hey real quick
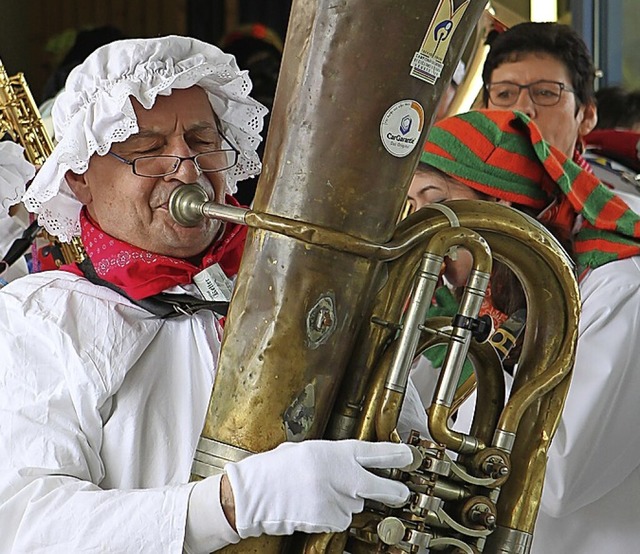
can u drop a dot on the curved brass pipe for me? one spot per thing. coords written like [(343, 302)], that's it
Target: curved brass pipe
[(548, 277), (188, 204), (487, 381), (500, 226)]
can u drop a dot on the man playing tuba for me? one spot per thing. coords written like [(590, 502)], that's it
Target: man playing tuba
[(109, 364)]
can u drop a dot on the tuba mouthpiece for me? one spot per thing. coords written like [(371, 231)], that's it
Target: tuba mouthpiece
[(189, 205), (186, 203)]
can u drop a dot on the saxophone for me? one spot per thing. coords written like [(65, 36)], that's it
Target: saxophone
[(20, 120), (329, 307)]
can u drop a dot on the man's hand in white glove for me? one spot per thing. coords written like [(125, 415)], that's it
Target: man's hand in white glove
[(313, 486)]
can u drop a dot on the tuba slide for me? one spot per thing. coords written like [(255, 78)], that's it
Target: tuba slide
[(329, 306)]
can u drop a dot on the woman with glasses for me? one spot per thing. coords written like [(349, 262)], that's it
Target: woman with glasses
[(545, 71)]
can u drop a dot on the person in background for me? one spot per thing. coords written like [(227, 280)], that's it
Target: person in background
[(593, 469), (545, 71), (257, 49), (84, 42), (613, 147), (15, 173), (618, 108), (105, 383)]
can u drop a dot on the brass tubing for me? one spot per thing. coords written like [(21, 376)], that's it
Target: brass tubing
[(382, 405), (443, 434), (425, 286), (188, 204), (20, 118), (533, 390), (488, 381), (548, 277), (549, 342), (490, 392), (469, 308)]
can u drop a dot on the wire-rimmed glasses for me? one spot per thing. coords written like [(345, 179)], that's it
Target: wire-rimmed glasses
[(212, 161)]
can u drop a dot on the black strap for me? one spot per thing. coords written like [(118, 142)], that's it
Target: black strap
[(162, 305), (20, 246)]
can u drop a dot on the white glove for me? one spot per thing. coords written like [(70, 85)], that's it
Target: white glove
[(313, 486)]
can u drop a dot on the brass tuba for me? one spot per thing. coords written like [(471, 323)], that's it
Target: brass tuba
[(318, 342)]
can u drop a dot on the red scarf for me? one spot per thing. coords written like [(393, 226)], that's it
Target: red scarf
[(140, 273)]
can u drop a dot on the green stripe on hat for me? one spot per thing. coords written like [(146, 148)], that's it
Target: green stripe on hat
[(464, 163), (598, 200), (502, 153)]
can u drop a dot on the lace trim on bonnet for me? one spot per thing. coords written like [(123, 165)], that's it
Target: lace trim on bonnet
[(94, 110), (15, 172)]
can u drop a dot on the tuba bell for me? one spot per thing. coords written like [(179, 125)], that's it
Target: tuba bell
[(329, 306)]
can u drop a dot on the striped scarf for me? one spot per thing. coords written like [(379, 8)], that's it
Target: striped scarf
[(502, 154)]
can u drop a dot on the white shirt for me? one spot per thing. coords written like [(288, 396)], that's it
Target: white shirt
[(590, 498), (101, 407), (592, 485)]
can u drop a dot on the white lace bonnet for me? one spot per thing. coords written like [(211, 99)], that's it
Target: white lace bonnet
[(15, 173), (94, 110)]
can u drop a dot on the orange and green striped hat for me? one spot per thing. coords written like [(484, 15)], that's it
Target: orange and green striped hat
[(502, 154)]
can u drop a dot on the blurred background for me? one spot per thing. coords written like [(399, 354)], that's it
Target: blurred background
[(36, 35)]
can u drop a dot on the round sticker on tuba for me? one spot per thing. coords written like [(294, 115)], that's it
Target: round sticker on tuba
[(401, 126)]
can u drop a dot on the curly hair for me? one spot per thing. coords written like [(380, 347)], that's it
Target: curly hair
[(554, 39)]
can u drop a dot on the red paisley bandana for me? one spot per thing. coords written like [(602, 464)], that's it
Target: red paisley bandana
[(140, 273)]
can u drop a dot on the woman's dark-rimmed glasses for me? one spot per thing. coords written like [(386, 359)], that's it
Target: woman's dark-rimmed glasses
[(542, 93)]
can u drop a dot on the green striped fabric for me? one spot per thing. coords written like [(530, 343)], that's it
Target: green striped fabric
[(503, 154)]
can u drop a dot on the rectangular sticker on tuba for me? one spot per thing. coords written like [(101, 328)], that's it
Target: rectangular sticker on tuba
[(427, 64)]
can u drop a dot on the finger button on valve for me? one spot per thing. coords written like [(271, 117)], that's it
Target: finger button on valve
[(416, 462), (391, 530)]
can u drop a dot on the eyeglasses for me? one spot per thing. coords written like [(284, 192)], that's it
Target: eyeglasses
[(161, 166), (542, 93)]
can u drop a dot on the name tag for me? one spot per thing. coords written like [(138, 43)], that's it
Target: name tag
[(213, 284)]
